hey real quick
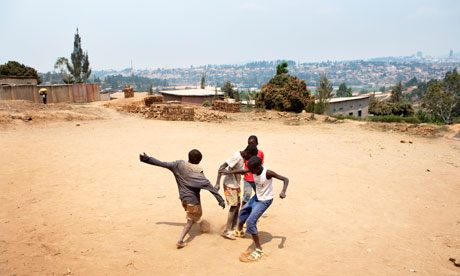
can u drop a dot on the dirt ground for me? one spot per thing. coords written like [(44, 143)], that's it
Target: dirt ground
[(361, 201)]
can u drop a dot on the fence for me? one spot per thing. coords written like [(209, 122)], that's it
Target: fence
[(68, 93)]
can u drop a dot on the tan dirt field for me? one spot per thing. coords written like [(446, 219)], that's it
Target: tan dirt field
[(75, 200)]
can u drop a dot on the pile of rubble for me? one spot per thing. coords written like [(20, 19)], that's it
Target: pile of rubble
[(129, 92), (225, 106)]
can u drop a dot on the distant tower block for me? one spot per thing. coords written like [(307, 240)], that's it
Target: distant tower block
[(419, 54), (451, 54)]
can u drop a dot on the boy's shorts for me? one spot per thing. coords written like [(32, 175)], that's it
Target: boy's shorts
[(193, 212), (232, 196)]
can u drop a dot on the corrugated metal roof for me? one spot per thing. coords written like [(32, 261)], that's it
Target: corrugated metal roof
[(345, 99), (191, 92)]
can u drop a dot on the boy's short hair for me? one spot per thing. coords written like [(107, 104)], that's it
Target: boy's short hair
[(194, 156), (251, 149), (253, 137), (254, 162)]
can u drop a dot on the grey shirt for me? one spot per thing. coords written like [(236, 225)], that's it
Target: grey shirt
[(188, 182)]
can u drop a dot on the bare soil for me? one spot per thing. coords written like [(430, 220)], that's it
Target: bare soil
[(362, 199)]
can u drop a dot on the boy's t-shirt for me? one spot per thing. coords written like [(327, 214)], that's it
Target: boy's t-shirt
[(235, 162), (249, 177), (189, 181)]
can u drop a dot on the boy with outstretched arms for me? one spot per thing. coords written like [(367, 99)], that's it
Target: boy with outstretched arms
[(263, 198), (232, 189), (190, 180)]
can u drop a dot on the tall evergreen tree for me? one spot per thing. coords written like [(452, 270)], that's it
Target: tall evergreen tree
[(78, 70), (203, 82)]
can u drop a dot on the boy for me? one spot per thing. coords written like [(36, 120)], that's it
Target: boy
[(263, 198), (248, 178), (190, 180), (232, 189)]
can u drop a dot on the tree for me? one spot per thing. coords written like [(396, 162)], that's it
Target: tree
[(216, 96), (79, 71), (396, 93), (237, 96), (282, 68), (284, 93), (440, 102), (382, 89), (151, 90), (228, 89), (343, 90), (203, 82), (16, 69), (323, 94), (411, 82)]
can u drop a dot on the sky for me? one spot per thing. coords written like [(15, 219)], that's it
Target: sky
[(181, 33)]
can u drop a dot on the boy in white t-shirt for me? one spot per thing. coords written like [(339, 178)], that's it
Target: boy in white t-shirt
[(251, 212), (232, 189)]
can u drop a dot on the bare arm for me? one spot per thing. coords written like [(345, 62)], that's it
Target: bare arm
[(285, 180), (219, 175), (235, 172)]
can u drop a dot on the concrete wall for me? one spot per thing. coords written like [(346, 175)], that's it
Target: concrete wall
[(198, 100), (68, 93), (351, 107), (17, 80)]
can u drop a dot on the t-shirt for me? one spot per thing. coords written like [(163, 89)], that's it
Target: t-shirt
[(248, 177), (189, 181), (235, 162), (264, 186)]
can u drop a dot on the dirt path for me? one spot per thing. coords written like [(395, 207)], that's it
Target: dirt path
[(76, 200)]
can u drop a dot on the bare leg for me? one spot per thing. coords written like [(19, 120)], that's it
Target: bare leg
[(187, 227), (235, 217), (255, 237), (240, 226), (232, 214)]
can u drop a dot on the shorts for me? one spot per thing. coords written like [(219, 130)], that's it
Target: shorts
[(193, 211), (248, 187), (232, 195)]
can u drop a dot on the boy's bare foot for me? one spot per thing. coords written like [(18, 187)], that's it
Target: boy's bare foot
[(228, 235), (181, 244)]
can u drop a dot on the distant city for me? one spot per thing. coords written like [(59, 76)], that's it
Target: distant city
[(371, 73)]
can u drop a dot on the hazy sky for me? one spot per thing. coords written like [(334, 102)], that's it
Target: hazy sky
[(176, 33)]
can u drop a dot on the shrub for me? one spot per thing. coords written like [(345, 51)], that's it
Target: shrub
[(393, 119), (206, 103), (284, 93), (349, 117)]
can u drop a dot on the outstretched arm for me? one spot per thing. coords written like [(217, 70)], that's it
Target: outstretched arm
[(235, 172), (153, 161), (208, 186), (285, 180), (219, 175)]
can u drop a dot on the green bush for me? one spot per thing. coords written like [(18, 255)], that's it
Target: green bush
[(206, 103), (284, 93), (349, 117), (394, 119)]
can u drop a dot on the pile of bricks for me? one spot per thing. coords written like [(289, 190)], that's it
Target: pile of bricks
[(155, 99), (169, 112), (225, 106), (178, 113), (129, 92)]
